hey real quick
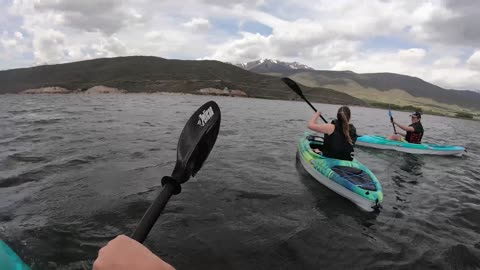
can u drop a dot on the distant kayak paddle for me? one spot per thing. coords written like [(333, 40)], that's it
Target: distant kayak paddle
[(294, 86), (391, 120)]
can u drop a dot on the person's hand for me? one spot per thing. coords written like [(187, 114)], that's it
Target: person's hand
[(124, 253), (318, 113)]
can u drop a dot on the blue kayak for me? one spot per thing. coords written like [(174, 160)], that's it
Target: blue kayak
[(413, 148), (9, 260)]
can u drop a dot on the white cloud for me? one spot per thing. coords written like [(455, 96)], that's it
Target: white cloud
[(76, 53), (106, 16), (235, 2), (447, 62), (450, 22), (18, 35), (198, 24), (152, 35), (433, 35), (412, 54), (110, 47), (249, 47), (453, 78), (9, 44), (447, 72), (13, 43), (474, 60), (325, 35), (49, 47), (397, 61)]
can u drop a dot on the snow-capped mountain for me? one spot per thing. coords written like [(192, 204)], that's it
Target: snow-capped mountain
[(272, 66)]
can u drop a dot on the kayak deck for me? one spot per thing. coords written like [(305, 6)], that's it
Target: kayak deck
[(9, 260)]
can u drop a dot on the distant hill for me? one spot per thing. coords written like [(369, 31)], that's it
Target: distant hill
[(379, 87), (154, 74), (271, 66)]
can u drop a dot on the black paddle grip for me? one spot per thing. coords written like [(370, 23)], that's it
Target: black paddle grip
[(151, 216), (168, 180)]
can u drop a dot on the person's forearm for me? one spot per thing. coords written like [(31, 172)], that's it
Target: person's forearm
[(313, 121), (406, 128), (124, 253)]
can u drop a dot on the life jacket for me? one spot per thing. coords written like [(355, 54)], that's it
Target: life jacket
[(416, 135), (336, 144)]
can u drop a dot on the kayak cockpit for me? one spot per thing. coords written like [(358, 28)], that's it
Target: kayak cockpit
[(355, 176)]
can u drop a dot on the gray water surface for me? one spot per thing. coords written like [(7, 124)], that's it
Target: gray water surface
[(77, 170)]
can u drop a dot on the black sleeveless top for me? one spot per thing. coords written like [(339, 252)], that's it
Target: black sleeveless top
[(336, 144), (416, 135)]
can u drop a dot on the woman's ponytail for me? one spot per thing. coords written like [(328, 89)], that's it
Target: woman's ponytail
[(343, 115)]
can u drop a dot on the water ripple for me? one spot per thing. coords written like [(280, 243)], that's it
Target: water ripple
[(76, 172)]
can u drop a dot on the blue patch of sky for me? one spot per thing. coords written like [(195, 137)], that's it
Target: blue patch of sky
[(26, 60), (395, 43), (256, 27), (22, 61), (181, 55), (388, 43), (8, 22), (466, 53), (6, 3), (287, 11), (227, 26)]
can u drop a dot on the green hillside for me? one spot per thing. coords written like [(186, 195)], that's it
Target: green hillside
[(154, 74)]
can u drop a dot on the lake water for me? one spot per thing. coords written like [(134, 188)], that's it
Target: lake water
[(77, 170)]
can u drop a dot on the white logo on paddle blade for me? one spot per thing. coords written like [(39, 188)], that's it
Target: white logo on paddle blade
[(205, 116)]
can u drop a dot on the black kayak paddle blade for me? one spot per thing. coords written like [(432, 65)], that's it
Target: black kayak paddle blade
[(196, 141), (294, 86), (194, 145)]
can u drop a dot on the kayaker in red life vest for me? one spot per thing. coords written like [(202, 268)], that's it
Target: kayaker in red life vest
[(124, 253), (340, 135), (414, 130)]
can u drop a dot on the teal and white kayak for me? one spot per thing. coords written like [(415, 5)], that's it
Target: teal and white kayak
[(9, 260), (413, 148), (349, 179)]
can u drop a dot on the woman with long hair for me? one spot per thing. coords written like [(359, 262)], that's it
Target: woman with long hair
[(340, 135)]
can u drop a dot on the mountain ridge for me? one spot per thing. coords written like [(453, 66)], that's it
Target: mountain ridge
[(272, 66), (155, 74), (383, 81)]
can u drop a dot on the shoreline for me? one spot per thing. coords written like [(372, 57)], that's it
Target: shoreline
[(116, 91)]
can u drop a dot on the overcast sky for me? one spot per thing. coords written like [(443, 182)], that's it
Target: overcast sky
[(438, 41)]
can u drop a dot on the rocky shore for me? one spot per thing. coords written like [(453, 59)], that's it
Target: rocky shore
[(48, 90), (100, 89), (224, 92)]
